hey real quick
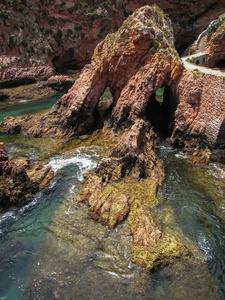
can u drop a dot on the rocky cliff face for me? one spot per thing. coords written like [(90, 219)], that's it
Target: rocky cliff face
[(210, 44), (48, 35)]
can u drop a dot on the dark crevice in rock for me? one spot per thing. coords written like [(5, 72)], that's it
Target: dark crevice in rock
[(63, 64), (160, 112), (220, 64), (221, 136)]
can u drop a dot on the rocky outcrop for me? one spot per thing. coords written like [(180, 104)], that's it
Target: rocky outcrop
[(199, 118), (134, 63), (15, 76), (215, 52), (60, 83), (17, 182), (210, 45), (124, 187)]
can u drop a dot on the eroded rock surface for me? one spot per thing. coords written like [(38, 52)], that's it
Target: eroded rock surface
[(124, 187), (17, 182), (134, 63)]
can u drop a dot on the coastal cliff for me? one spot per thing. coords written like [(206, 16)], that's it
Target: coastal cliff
[(39, 38)]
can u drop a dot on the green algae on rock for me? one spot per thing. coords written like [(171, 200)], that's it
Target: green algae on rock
[(124, 187)]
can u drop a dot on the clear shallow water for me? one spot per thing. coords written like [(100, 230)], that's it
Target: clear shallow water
[(22, 230), (197, 196), (26, 106), (52, 249)]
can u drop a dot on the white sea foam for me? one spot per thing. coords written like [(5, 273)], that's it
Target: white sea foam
[(24, 101), (82, 161), (216, 171), (181, 155), (205, 246), (6, 216)]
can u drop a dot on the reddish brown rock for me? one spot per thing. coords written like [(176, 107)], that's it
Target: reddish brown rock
[(17, 182), (210, 45), (19, 76), (61, 83), (215, 52), (133, 63), (64, 35), (199, 118)]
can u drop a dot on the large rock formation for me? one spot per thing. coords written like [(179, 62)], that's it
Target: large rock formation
[(48, 35), (17, 182), (134, 63)]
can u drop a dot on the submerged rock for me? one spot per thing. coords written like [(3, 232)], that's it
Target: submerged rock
[(17, 182)]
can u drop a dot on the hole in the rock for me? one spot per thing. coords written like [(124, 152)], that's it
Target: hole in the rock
[(105, 105), (220, 141), (64, 64), (220, 64), (161, 112)]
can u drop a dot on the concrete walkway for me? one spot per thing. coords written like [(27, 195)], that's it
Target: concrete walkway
[(205, 70)]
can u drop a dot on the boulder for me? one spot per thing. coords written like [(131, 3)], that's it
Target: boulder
[(18, 183)]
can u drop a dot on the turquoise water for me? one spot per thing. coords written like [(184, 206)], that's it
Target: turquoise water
[(22, 230), (25, 107), (52, 249)]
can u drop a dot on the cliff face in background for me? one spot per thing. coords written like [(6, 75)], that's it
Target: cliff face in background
[(62, 35)]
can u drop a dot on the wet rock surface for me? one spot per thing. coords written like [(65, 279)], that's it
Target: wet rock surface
[(18, 183), (124, 187)]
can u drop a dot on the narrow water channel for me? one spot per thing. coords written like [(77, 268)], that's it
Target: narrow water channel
[(52, 249)]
